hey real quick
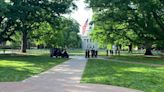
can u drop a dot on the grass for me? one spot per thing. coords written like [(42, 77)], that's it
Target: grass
[(141, 59), (38, 51), (75, 52), (81, 52), (20, 67), (141, 77)]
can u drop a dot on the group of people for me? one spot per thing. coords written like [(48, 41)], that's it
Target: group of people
[(57, 52), (115, 50), (91, 53)]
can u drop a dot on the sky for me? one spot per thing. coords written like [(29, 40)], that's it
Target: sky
[(82, 13)]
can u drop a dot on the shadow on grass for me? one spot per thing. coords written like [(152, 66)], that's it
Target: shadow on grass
[(9, 74), (15, 67), (27, 58), (141, 77), (142, 58)]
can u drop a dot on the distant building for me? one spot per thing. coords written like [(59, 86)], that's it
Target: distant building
[(87, 41)]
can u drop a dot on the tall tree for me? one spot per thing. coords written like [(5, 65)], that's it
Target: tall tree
[(63, 35), (24, 14), (142, 18)]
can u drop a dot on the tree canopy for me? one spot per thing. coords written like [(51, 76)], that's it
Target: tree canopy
[(26, 15), (139, 22), (63, 36)]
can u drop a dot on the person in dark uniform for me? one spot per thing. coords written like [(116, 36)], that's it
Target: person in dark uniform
[(86, 53), (107, 52), (92, 52)]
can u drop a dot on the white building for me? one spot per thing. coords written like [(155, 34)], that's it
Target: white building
[(81, 15), (87, 41)]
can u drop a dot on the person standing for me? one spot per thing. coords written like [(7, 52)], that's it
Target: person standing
[(92, 53), (96, 51), (86, 53), (106, 52)]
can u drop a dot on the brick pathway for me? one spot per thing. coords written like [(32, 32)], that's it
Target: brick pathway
[(62, 78)]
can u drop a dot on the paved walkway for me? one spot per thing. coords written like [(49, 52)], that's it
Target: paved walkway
[(62, 78)]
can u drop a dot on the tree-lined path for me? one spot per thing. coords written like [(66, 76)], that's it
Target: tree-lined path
[(62, 78)]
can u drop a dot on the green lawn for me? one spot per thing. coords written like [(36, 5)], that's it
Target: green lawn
[(81, 52), (19, 67), (135, 76), (142, 59), (75, 52)]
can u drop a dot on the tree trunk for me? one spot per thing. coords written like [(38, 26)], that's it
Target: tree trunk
[(130, 48), (148, 50), (24, 42), (28, 44), (1, 19)]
